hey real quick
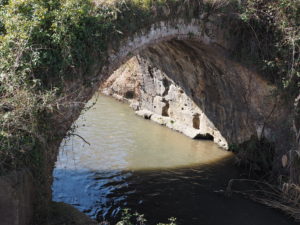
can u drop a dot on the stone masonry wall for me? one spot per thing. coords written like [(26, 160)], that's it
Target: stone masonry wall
[(153, 95)]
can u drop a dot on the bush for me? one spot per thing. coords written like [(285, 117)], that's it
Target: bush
[(129, 218)]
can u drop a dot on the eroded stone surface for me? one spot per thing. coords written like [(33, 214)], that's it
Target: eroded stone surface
[(16, 198), (198, 86), (158, 98)]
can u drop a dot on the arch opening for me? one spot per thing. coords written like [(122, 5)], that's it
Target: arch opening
[(176, 79), (232, 100), (222, 92), (193, 55)]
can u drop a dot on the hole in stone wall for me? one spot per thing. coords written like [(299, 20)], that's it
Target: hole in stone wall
[(129, 95), (150, 71), (196, 121), (165, 108), (204, 137), (166, 84)]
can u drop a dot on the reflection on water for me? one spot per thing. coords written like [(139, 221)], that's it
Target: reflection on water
[(133, 163)]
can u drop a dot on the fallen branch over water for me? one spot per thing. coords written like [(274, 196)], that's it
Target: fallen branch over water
[(80, 138)]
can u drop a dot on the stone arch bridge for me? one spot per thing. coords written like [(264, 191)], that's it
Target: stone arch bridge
[(196, 53), (195, 48)]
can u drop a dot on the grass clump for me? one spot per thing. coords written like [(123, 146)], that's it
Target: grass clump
[(256, 156), (129, 218), (284, 196)]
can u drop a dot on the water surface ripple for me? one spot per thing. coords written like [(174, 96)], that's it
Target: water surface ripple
[(134, 163)]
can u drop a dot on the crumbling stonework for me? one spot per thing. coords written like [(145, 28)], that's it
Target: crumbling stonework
[(155, 96)]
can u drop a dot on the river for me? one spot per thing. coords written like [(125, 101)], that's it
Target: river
[(134, 163)]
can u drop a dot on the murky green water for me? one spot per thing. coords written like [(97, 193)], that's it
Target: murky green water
[(134, 163)]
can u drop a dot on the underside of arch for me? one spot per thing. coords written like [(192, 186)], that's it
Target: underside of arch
[(196, 56), (234, 100)]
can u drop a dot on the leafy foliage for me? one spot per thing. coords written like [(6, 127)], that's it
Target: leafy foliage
[(129, 218), (271, 37), (44, 45)]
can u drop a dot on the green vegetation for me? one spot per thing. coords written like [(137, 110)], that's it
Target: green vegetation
[(271, 39), (45, 45), (256, 156), (267, 37), (129, 218)]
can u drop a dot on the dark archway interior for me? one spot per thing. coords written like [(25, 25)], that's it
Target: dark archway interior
[(223, 89)]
